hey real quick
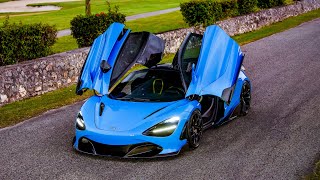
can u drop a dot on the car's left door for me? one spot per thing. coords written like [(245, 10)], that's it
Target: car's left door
[(113, 54), (95, 73)]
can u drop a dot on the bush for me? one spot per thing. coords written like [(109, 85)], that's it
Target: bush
[(207, 12), (20, 42), (270, 3), (229, 8), (86, 28), (247, 6), (198, 12), (215, 10)]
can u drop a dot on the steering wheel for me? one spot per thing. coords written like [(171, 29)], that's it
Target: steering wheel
[(177, 90)]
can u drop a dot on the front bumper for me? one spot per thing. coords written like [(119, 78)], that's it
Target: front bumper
[(126, 151), (126, 144)]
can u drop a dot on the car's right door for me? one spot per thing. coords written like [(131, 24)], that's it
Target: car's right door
[(217, 63)]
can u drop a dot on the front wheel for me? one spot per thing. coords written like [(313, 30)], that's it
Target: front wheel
[(194, 129)]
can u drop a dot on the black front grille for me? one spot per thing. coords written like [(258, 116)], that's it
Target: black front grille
[(134, 150)]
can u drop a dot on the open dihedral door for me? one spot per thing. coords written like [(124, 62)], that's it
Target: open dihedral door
[(113, 53), (217, 67)]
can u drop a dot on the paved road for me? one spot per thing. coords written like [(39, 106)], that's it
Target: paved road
[(279, 139), (67, 32)]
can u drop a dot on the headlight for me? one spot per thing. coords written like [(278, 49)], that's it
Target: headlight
[(80, 122), (165, 128)]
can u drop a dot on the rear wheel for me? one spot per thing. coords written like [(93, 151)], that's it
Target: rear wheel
[(245, 98), (73, 140), (194, 129)]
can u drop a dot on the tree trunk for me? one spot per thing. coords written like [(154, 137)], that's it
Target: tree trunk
[(88, 8)]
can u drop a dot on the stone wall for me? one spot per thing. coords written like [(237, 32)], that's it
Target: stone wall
[(31, 78), (41, 75), (243, 24)]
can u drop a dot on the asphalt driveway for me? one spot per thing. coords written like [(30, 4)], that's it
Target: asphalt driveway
[(279, 139)]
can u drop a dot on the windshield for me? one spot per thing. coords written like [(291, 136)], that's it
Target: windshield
[(162, 85)]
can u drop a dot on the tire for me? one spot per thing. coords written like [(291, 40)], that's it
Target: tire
[(73, 140), (194, 129), (245, 98)]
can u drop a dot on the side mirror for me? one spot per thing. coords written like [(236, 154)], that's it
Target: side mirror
[(105, 67)]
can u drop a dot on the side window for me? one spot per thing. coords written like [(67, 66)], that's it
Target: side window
[(190, 55), (192, 48)]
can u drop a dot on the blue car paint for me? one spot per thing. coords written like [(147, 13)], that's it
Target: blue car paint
[(125, 114), (133, 135), (221, 57), (105, 47), (235, 100), (123, 122)]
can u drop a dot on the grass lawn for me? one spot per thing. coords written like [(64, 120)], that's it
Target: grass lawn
[(63, 44), (316, 173), (154, 24), (15, 112), (277, 27), (157, 24), (69, 10), (18, 111), (1, 1)]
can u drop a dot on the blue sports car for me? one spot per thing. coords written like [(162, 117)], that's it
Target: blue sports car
[(158, 109)]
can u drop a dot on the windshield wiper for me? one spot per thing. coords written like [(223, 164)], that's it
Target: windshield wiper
[(133, 99)]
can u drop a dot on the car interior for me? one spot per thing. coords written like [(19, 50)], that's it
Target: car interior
[(165, 83), (154, 84)]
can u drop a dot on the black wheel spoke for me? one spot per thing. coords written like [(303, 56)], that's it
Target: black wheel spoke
[(245, 98), (195, 129)]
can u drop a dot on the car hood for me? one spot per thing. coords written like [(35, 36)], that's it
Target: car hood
[(125, 115)]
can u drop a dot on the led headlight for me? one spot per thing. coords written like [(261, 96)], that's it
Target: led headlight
[(80, 122), (164, 128)]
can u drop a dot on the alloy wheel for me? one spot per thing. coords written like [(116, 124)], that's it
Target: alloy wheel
[(245, 98), (195, 126)]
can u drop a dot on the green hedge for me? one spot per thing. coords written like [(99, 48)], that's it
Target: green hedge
[(86, 28), (20, 42), (198, 12), (247, 6), (270, 3), (230, 8), (206, 12)]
